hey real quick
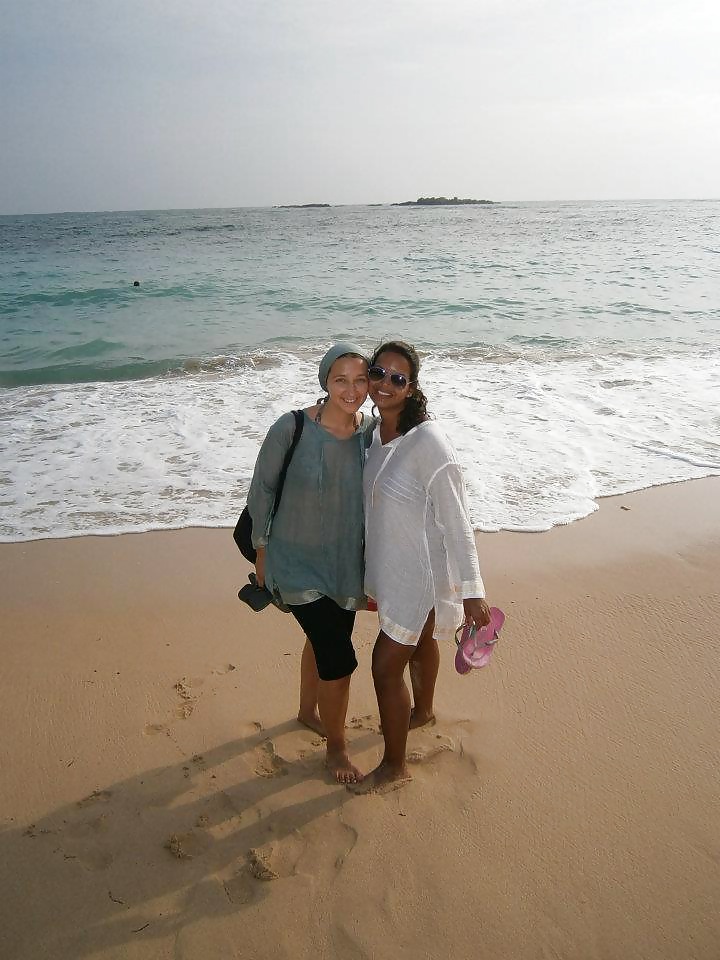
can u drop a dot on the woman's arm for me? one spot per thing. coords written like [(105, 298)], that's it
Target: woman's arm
[(447, 494), (260, 566), (261, 497)]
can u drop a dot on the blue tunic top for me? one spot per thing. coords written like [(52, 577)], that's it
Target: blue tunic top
[(314, 544)]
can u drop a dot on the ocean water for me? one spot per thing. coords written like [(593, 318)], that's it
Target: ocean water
[(570, 350)]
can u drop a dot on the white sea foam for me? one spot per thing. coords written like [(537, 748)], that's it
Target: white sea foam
[(541, 437)]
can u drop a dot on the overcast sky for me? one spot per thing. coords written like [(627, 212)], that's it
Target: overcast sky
[(204, 103)]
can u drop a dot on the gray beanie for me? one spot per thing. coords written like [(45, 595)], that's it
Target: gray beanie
[(334, 353)]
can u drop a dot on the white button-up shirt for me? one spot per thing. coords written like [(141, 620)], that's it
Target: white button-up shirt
[(420, 548)]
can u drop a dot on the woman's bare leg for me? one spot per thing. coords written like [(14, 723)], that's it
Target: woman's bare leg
[(424, 667), (328, 697), (333, 697), (309, 680), (388, 667)]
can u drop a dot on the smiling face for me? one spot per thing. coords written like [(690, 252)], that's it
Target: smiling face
[(387, 397), (347, 384)]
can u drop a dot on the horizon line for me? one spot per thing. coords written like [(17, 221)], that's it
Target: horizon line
[(326, 205)]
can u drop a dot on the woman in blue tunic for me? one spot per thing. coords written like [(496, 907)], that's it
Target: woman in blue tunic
[(310, 554)]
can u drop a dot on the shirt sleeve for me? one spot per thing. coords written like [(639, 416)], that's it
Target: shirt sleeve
[(261, 497), (447, 495)]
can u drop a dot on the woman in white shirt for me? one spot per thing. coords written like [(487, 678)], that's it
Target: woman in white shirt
[(421, 562)]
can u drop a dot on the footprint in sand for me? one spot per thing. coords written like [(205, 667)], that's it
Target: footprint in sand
[(271, 861), (329, 842), (241, 888), (346, 838), (227, 668), (430, 746), (267, 762), (188, 845), (368, 722), (153, 729), (199, 762), (189, 701), (91, 859), (320, 848), (84, 836), (277, 858), (220, 817), (89, 841)]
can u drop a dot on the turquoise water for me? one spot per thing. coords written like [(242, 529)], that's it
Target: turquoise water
[(570, 350)]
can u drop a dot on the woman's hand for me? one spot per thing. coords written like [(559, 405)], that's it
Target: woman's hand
[(476, 611), (260, 567)]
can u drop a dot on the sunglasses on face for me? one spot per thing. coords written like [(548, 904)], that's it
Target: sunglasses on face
[(376, 374)]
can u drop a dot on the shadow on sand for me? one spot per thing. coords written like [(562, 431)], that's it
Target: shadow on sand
[(144, 856)]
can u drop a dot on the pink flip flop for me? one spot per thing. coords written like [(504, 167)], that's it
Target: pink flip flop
[(475, 647)]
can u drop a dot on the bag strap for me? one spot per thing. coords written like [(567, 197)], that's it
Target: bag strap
[(299, 421)]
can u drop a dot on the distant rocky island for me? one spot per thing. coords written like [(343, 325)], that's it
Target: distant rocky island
[(441, 202), (420, 202)]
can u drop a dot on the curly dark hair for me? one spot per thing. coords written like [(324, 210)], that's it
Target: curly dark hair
[(415, 409)]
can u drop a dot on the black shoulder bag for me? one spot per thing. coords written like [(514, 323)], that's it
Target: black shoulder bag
[(243, 528)]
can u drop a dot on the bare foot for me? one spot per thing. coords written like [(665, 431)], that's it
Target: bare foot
[(383, 779), (342, 769), (418, 719), (312, 721)]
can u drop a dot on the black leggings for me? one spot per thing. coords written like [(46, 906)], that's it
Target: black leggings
[(329, 629)]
